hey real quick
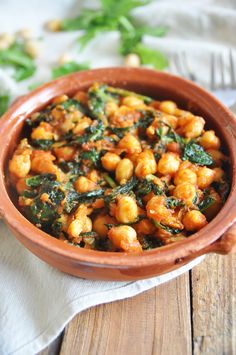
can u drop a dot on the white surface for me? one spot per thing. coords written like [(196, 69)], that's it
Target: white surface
[(37, 301)]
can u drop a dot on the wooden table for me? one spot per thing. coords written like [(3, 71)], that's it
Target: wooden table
[(193, 314)]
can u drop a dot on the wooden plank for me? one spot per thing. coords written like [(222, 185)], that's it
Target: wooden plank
[(155, 322), (214, 306)]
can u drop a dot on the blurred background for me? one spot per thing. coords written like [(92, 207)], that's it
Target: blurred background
[(42, 40)]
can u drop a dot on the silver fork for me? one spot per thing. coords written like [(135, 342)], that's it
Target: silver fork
[(226, 92)]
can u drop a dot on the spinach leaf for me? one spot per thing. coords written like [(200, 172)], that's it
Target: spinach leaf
[(109, 180), (145, 186), (4, 102), (43, 144), (73, 198), (53, 190), (172, 202), (67, 68), (196, 154), (91, 155), (121, 190), (167, 228), (40, 213), (42, 116), (98, 96), (207, 201), (73, 104), (37, 180), (92, 133), (149, 242), (125, 93), (56, 227)]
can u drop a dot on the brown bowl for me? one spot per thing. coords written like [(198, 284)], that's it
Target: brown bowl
[(218, 236)]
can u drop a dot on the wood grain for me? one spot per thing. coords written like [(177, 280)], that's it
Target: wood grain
[(155, 322), (214, 306)]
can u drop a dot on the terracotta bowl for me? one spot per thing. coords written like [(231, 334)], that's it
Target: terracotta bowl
[(218, 236)]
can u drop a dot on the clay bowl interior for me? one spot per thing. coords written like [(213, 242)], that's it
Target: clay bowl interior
[(117, 266)]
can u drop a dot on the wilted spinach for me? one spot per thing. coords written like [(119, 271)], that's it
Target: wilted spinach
[(196, 154)]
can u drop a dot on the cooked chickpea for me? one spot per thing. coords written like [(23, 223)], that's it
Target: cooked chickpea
[(126, 210), (168, 107), (130, 144), (133, 101), (219, 174), (157, 210), (99, 225), (78, 226), (185, 175), (42, 162), (194, 221), (205, 177), (168, 164), (60, 99), (125, 238), (124, 170), (110, 161), (170, 120), (145, 226), (193, 126), (33, 48), (186, 192), (20, 164), (54, 25), (209, 140), (64, 153), (21, 185), (83, 184), (43, 131), (145, 164), (111, 108)]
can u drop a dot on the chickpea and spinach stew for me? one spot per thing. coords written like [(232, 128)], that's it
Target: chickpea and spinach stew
[(112, 170)]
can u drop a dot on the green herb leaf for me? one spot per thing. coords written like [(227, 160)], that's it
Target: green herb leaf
[(173, 202), (196, 154), (151, 57), (4, 102), (43, 144), (166, 228), (121, 190), (37, 180), (73, 198), (109, 180), (206, 203), (67, 68)]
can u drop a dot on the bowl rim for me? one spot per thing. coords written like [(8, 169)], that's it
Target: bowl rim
[(165, 254)]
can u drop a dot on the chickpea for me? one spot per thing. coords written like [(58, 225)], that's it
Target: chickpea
[(124, 170), (126, 210), (205, 177), (170, 120), (209, 140), (81, 96), (32, 48), (185, 175), (83, 184), (60, 99), (110, 161), (94, 176), (64, 58), (21, 186), (168, 107), (133, 101), (217, 156), (78, 226), (43, 131), (111, 108), (81, 126), (146, 164), (157, 210), (193, 126), (99, 225), (54, 25), (194, 221), (132, 60), (64, 153), (130, 143), (168, 164), (145, 227), (186, 192), (219, 174), (42, 162), (20, 164), (125, 238)]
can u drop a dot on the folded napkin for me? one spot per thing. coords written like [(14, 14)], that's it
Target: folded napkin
[(37, 301)]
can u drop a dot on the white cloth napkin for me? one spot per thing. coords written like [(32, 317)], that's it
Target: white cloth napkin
[(37, 301)]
